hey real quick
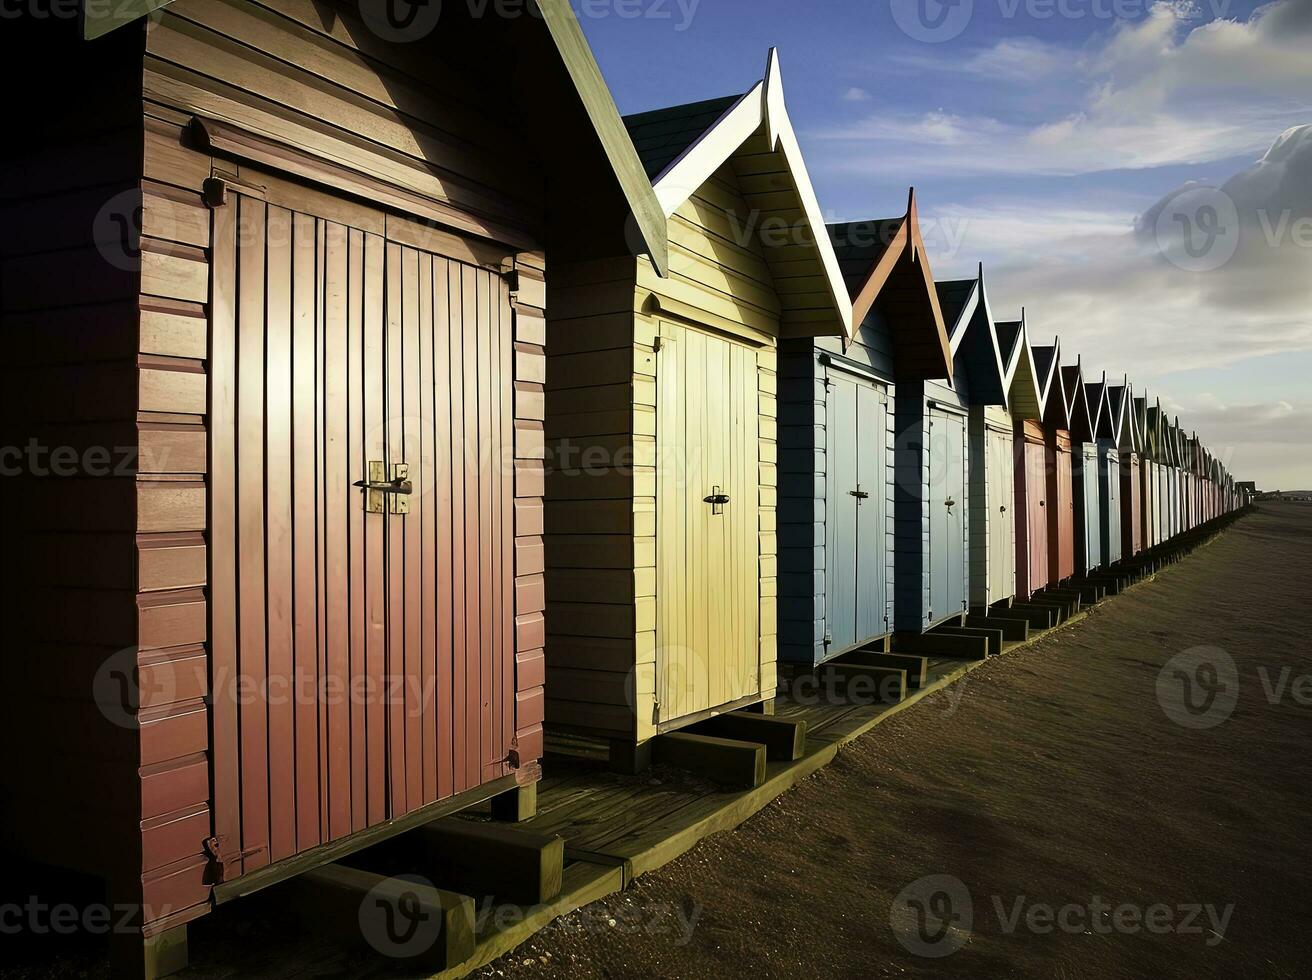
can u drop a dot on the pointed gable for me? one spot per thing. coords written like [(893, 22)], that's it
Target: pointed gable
[(1095, 397), (749, 140), (1056, 403), (1077, 408), (1031, 376), (1115, 427), (886, 268), (973, 340)]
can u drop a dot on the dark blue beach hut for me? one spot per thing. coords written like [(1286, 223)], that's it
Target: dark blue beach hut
[(837, 405)]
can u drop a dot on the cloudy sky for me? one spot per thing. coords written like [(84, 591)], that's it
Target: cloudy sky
[(1130, 171)]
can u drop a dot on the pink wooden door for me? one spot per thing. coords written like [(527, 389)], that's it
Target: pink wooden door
[(362, 643), (1036, 514)]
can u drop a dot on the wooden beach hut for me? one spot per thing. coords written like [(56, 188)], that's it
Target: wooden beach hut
[(1161, 471), (1132, 509), (1111, 429), (1147, 475), (1060, 469), (984, 361), (836, 442), (1087, 401), (295, 270), (662, 425), (1034, 381)]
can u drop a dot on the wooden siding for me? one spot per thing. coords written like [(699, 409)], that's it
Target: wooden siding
[(804, 528), (994, 507), (71, 269), (602, 509)]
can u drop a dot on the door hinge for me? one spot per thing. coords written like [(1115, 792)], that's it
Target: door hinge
[(214, 191)]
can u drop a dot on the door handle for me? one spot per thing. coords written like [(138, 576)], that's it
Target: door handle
[(1002, 509), (717, 500), (949, 502), (379, 490), (859, 494), (1043, 503)]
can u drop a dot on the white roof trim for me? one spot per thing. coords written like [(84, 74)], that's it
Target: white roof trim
[(762, 106)]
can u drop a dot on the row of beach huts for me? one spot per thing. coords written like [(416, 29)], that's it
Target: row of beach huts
[(459, 411)]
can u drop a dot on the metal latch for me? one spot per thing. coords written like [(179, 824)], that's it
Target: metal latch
[(859, 494), (717, 500), (379, 489)]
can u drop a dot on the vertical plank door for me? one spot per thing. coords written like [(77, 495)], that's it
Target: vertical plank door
[(842, 507), (1036, 515), (1000, 463), (872, 612), (947, 515), (708, 604), (360, 659)]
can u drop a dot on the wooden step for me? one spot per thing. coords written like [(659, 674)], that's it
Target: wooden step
[(404, 919), (993, 636), (482, 859), (1041, 615), (1015, 628), (942, 645), (721, 760), (917, 668), (863, 683), (784, 740)]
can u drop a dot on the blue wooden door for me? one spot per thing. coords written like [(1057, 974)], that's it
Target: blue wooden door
[(841, 452), (947, 515), (1111, 524), (855, 512), (1092, 524), (872, 611)]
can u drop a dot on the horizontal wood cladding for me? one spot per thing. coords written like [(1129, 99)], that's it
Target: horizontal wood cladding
[(331, 86)]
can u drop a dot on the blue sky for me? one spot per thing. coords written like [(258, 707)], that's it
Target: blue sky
[(1037, 133)]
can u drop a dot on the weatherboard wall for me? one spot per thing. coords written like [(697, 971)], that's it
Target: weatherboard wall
[(612, 670), (807, 529)]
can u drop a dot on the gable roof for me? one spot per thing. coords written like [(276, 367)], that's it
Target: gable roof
[(885, 266), (568, 89), (1116, 425), (1141, 424), (973, 339), (1077, 407), (684, 146), (1095, 397), (661, 136), (1028, 391), (1056, 404)]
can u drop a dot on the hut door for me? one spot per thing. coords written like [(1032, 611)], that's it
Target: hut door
[(947, 514), (707, 514), (1000, 470), (1089, 488), (1112, 485), (855, 543), (1036, 514), (361, 637)]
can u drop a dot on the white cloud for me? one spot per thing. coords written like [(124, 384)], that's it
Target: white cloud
[(855, 94), (1154, 92), (1116, 288)]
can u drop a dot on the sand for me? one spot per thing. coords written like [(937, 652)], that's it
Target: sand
[(1072, 828)]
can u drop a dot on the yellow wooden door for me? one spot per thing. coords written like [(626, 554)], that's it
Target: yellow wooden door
[(708, 571)]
